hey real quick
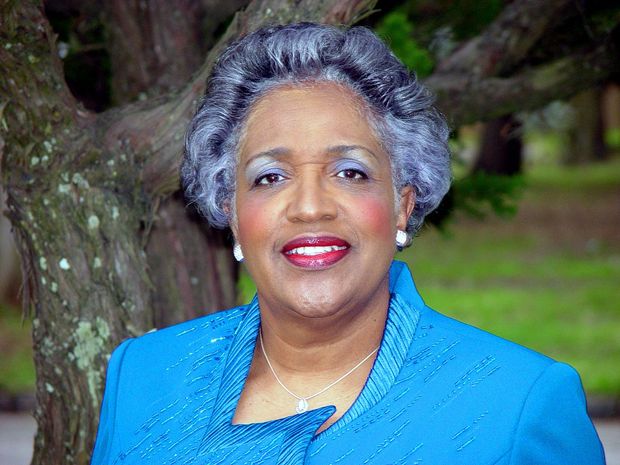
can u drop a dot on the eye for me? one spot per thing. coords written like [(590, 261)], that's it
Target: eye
[(352, 173), (268, 179)]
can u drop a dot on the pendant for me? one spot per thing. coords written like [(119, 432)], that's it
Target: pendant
[(302, 406)]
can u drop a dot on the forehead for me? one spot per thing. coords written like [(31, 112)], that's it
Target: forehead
[(312, 91), (309, 119)]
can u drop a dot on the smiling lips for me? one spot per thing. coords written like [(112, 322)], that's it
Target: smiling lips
[(315, 252)]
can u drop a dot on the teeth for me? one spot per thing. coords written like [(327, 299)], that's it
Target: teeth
[(314, 250)]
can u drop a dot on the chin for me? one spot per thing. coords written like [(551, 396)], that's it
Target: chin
[(317, 306)]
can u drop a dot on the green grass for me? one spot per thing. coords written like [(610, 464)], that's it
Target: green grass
[(595, 176), (16, 365), (563, 304)]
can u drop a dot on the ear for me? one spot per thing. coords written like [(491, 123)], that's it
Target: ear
[(406, 205), (232, 223)]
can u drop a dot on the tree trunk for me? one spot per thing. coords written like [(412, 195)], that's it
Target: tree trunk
[(501, 149), (586, 141), (611, 107), (153, 52), (152, 48), (9, 261), (191, 265)]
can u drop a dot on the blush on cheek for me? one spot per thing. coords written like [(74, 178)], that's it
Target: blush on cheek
[(377, 214), (255, 221)]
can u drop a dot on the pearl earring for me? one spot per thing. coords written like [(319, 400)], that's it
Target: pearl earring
[(401, 238), (237, 252)]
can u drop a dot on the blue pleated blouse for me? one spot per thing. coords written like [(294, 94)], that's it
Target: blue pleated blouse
[(440, 392)]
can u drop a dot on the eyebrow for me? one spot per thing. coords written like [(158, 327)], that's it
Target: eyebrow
[(276, 152), (342, 149), (279, 152)]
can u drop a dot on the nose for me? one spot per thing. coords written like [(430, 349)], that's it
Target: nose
[(311, 200)]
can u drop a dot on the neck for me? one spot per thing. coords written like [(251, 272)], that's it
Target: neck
[(323, 345)]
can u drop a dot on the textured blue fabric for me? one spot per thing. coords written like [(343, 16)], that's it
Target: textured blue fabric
[(440, 392)]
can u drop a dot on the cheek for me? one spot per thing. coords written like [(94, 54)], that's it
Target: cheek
[(376, 215), (254, 220)]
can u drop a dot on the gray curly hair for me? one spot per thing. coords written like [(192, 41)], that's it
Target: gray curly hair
[(411, 130)]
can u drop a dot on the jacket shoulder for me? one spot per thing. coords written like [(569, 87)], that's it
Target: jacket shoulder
[(478, 383), (220, 322), (213, 326), (165, 360), (171, 373), (481, 341)]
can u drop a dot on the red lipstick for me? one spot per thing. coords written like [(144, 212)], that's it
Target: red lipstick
[(315, 252)]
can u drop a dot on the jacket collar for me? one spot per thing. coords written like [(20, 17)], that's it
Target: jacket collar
[(288, 438), (401, 283)]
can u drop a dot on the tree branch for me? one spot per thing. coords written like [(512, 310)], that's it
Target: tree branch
[(34, 98), (489, 75), (507, 40), (467, 84), (467, 98), (155, 132)]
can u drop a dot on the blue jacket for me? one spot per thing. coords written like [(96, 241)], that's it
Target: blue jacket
[(440, 393)]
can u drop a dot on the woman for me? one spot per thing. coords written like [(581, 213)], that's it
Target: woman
[(323, 155)]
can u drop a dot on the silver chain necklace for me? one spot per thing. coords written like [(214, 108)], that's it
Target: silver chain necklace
[(302, 402)]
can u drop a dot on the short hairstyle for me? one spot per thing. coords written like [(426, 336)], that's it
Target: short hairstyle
[(412, 131)]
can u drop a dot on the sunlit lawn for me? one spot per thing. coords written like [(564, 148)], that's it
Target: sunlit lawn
[(548, 278), (557, 302)]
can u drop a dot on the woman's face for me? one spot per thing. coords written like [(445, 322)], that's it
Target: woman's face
[(315, 208)]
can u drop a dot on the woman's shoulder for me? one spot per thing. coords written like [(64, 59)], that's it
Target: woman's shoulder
[(514, 393), (454, 359), (479, 340), (485, 399), (169, 359), (214, 330), (169, 373)]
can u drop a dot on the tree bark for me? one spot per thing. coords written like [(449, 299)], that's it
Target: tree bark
[(467, 99), (532, 53), (152, 52), (501, 149), (508, 40), (154, 46)]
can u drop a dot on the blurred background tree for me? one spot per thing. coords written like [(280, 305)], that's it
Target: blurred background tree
[(94, 99)]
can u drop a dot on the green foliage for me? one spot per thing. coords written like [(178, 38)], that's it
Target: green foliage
[(479, 194), (396, 29), (245, 287), (469, 17), (612, 138), (443, 23)]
